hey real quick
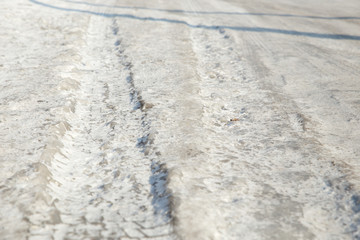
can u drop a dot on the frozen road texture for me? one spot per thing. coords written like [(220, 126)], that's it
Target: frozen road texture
[(217, 119)]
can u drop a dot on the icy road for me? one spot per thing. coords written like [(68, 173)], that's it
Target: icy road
[(193, 119)]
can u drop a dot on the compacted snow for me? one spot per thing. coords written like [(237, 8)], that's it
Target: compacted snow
[(216, 119)]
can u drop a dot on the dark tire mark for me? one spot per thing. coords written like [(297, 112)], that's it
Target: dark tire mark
[(159, 177)]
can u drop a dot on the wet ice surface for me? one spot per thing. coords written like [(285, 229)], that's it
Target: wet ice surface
[(162, 120)]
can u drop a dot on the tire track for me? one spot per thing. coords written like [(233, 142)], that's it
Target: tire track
[(97, 161), (159, 173)]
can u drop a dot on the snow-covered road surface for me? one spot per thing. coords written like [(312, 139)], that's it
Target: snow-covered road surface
[(215, 119)]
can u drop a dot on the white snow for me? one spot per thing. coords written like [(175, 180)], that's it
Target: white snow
[(214, 119)]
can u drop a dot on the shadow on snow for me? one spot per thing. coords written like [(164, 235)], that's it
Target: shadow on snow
[(203, 26), (214, 13)]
